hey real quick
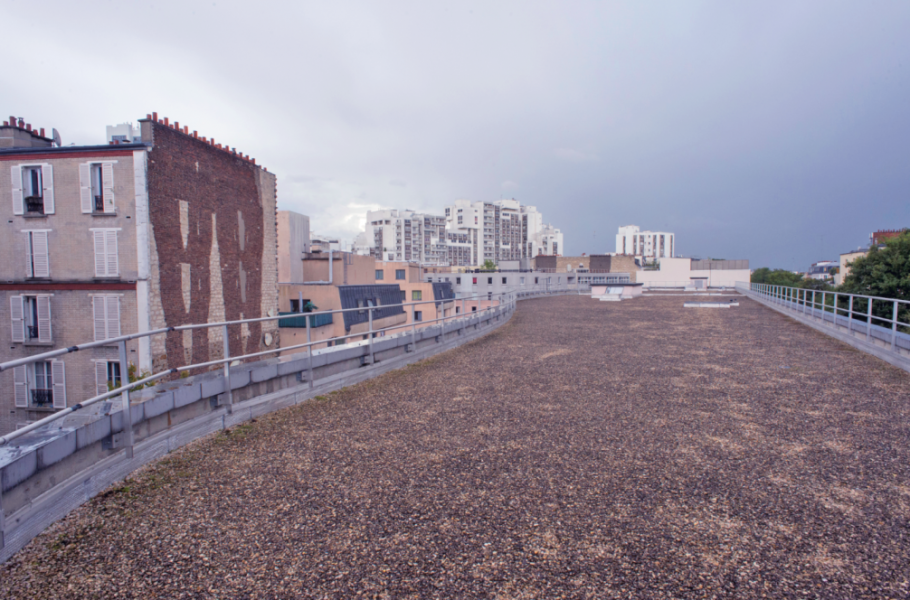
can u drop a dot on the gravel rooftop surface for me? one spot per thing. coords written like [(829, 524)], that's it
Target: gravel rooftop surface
[(584, 450)]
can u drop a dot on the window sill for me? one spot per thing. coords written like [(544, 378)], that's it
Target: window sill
[(103, 214), (42, 409), (34, 216), (37, 343)]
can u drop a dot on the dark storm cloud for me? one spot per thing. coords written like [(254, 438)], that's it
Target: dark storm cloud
[(774, 131)]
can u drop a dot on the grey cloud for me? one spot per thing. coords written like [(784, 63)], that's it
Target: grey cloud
[(774, 131)]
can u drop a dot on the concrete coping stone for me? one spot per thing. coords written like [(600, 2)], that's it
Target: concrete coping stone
[(56, 450)]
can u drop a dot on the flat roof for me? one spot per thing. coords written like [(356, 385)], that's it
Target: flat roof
[(73, 149)]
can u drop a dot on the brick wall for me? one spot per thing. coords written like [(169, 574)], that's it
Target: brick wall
[(213, 246)]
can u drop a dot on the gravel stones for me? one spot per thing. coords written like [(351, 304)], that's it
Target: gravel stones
[(584, 450)]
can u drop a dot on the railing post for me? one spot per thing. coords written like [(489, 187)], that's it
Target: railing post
[(813, 304), (309, 350), (850, 314), (894, 325), (370, 315), (868, 318), (824, 304), (125, 397), (414, 327), (228, 392)]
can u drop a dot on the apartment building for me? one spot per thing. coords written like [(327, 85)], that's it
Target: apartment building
[(469, 234), (403, 235), (123, 238), (646, 244)]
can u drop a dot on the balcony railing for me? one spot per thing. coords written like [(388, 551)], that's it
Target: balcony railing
[(300, 319), (34, 204), (42, 397), (32, 331)]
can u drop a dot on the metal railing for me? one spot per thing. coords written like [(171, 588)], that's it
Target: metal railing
[(485, 303), (876, 319)]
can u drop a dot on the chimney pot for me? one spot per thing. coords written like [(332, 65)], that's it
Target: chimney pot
[(6, 123), (254, 161), (21, 123), (28, 126), (186, 129), (166, 122), (12, 121), (195, 134), (154, 116), (177, 125), (148, 117), (42, 132)]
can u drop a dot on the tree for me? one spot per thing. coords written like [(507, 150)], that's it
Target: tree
[(776, 277), (489, 265), (885, 273)]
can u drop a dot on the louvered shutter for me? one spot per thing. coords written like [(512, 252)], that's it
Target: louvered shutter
[(107, 186), (18, 203), (47, 180), (85, 188), (17, 318), (99, 319), (39, 254), (112, 314), (29, 268), (58, 372), (44, 319), (20, 385), (110, 250), (100, 258), (101, 377)]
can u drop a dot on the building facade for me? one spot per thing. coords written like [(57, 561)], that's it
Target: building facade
[(646, 244), (123, 238), (469, 234)]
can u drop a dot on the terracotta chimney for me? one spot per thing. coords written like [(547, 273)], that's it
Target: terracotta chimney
[(155, 116), (166, 122), (42, 132)]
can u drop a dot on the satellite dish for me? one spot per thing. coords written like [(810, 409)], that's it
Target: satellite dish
[(57, 141)]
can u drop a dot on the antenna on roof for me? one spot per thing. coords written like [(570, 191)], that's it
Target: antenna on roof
[(56, 137)]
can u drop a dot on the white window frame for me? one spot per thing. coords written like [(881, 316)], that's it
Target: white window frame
[(106, 317), (107, 260), (87, 192), (37, 253), (46, 183), (103, 370), (19, 317)]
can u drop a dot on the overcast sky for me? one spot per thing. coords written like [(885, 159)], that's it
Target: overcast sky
[(773, 131)]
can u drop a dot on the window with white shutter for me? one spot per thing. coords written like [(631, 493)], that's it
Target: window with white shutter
[(36, 256), (101, 377), (47, 180), (20, 385), (44, 318), (17, 318), (106, 317), (16, 177), (107, 262), (59, 379), (107, 185), (86, 199)]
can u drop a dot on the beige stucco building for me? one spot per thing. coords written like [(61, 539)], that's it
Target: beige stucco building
[(116, 239)]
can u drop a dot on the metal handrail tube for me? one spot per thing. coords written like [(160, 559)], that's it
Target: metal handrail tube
[(124, 389), (785, 296)]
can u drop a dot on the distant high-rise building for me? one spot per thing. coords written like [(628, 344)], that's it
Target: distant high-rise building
[(469, 234), (647, 244)]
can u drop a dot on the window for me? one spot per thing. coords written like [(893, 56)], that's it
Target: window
[(457, 309), (106, 313), (40, 384), (416, 295), (473, 309), (404, 296), (31, 318), (106, 260), (536, 280), (97, 187), (33, 189), (418, 315), (458, 280), (107, 376), (460, 220), (399, 274), (521, 280), (504, 280), (379, 275), (37, 264), (489, 280)]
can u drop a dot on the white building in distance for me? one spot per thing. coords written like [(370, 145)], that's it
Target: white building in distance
[(647, 244), (469, 234)]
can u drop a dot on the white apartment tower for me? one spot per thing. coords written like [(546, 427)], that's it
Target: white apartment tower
[(647, 244), (469, 234)]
